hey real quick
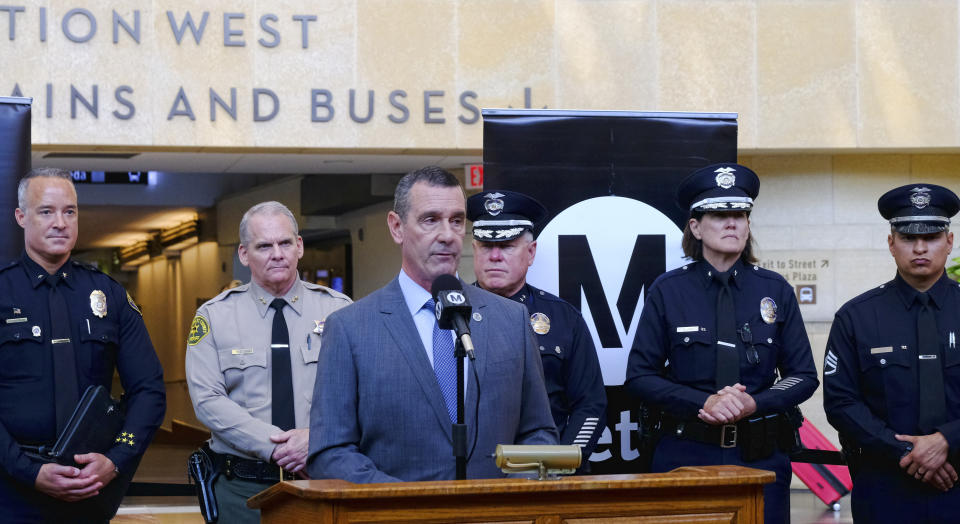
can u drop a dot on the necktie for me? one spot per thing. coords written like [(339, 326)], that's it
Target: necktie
[(444, 364), (932, 409), (281, 382), (728, 358), (65, 389)]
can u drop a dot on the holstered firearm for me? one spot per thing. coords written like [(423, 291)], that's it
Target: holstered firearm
[(649, 436), (202, 470)]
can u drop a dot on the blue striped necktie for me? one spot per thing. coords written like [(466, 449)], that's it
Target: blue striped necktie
[(444, 363)]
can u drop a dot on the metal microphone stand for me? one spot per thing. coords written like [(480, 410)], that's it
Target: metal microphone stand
[(459, 429)]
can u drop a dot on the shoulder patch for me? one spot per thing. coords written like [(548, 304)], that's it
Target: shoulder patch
[(198, 329), (133, 304)]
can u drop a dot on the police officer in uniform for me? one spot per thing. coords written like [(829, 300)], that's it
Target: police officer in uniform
[(65, 326), (891, 374), (721, 348), (252, 360), (503, 250)]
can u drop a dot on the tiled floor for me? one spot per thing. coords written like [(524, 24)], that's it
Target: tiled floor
[(806, 508)]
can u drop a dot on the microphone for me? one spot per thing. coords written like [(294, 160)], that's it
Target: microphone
[(453, 309)]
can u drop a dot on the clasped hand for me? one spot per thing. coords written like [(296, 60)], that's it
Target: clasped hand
[(73, 484), (927, 461), (728, 405)]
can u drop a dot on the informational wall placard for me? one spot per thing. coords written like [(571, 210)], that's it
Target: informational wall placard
[(609, 180), (14, 162)]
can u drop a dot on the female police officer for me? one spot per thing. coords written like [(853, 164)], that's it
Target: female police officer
[(713, 339)]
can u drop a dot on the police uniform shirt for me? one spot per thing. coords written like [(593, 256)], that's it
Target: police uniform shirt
[(228, 362), (571, 368), (106, 330), (673, 359), (870, 384)]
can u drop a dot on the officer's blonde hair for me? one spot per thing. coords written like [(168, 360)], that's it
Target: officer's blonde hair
[(270, 207), (47, 172)]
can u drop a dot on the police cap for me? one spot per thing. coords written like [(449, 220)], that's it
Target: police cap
[(918, 209), (499, 216), (719, 187)]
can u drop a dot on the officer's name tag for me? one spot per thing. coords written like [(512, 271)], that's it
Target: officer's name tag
[(16, 320), (241, 351), (877, 351), (687, 329)]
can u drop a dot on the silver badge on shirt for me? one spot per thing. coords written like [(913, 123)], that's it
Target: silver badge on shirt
[(98, 303)]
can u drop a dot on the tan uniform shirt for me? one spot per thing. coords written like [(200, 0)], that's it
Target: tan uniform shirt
[(228, 362)]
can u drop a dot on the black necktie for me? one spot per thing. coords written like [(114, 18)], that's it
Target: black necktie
[(65, 389), (932, 409), (728, 358), (282, 383)]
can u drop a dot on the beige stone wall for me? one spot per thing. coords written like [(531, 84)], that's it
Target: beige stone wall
[(168, 289), (824, 207), (802, 74)]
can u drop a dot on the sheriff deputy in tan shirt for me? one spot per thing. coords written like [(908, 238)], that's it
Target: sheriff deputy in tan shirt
[(252, 360)]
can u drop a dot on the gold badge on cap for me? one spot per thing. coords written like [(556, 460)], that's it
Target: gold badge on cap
[(540, 323), (768, 310), (318, 326), (98, 303)]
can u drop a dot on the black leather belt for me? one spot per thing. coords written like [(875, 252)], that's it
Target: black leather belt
[(241, 468), (724, 436)]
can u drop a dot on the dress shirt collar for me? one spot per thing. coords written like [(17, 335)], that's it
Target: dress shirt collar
[(707, 271), (262, 298), (413, 294), (937, 292), (37, 274)]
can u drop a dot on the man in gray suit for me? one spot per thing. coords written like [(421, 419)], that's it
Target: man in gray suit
[(381, 402)]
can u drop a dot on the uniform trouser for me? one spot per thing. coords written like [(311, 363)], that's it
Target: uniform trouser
[(232, 495), (889, 495), (672, 453), (22, 503)]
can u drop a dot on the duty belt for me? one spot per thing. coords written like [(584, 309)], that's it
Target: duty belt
[(724, 436), (248, 469), (757, 437)]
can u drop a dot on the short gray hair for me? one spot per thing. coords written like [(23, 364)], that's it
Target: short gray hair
[(271, 207), (431, 175), (46, 172)]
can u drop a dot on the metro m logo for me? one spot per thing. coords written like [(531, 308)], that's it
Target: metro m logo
[(578, 271), (601, 255)]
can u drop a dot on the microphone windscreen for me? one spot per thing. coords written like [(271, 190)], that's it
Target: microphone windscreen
[(445, 283)]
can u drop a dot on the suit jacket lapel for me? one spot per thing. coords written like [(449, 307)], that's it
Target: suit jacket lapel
[(399, 323), (481, 337)]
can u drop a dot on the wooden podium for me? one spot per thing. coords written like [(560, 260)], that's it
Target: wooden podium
[(707, 494)]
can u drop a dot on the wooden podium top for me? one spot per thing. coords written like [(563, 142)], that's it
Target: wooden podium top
[(702, 476)]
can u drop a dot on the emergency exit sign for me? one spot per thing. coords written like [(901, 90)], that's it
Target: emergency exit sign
[(474, 175)]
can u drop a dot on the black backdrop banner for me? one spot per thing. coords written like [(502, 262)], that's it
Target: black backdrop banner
[(14, 163), (609, 181)]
